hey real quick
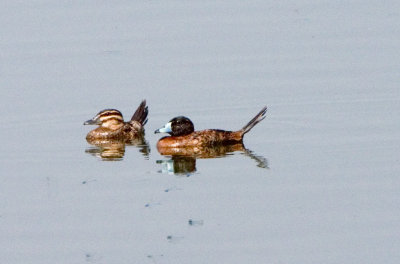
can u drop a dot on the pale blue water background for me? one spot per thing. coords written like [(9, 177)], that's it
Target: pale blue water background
[(328, 72)]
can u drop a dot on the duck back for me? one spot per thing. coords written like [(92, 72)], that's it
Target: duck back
[(208, 137)]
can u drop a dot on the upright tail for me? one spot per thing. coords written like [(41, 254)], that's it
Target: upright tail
[(140, 114), (257, 119)]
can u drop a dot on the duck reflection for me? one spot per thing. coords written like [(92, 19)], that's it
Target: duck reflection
[(178, 165), (183, 159), (114, 150)]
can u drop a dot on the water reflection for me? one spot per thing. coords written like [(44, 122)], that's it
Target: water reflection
[(114, 150), (179, 165), (182, 161)]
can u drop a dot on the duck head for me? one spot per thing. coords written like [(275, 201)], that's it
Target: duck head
[(108, 118), (178, 126)]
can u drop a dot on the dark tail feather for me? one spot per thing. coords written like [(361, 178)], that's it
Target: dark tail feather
[(141, 113), (257, 119)]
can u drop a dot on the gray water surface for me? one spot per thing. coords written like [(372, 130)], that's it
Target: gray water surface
[(317, 182)]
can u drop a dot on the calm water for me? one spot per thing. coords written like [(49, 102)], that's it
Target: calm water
[(317, 182)]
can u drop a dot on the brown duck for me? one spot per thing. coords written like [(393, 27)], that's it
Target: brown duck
[(183, 134), (113, 128)]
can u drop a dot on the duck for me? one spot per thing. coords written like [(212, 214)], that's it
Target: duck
[(183, 135), (112, 127)]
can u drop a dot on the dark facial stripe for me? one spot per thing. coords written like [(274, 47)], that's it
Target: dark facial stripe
[(111, 117), (108, 112), (102, 115)]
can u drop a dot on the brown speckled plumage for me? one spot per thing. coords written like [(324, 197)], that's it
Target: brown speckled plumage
[(206, 137), (128, 131), (183, 135), (113, 127)]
